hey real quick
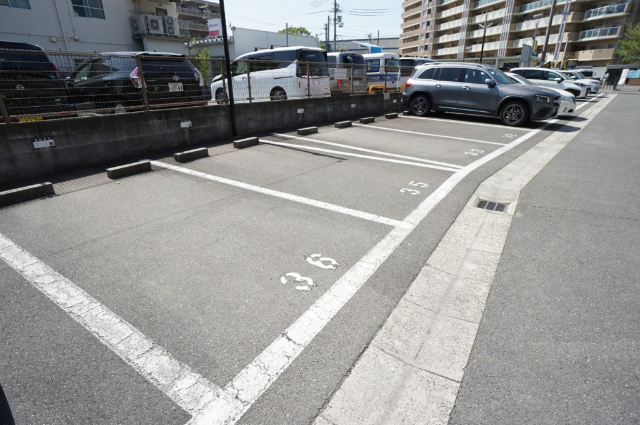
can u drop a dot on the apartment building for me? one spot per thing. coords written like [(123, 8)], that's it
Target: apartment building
[(586, 30), (107, 25)]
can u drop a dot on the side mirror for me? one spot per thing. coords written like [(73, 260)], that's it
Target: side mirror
[(490, 82), (558, 80)]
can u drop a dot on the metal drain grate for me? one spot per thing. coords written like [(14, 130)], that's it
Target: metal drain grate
[(492, 206)]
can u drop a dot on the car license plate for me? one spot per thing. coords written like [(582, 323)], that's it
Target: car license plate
[(29, 119), (175, 87)]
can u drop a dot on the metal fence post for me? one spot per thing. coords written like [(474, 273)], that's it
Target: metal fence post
[(309, 80), (385, 77), (224, 82), (249, 80), (352, 65), (142, 83), (3, 109)]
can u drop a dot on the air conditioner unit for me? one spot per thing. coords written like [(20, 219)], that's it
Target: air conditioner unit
[(153, 24), (171, 26), (134, 23)]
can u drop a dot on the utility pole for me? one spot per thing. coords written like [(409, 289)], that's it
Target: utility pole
[(546, 37), (378, 37), (327, 32), (335, 23), (287, 31)]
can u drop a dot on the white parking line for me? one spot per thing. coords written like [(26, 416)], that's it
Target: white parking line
[(283, 195), (428, 161), (257, 377), (186, 388), (589, 101), (374, 158), (429, 134), (451, 121)]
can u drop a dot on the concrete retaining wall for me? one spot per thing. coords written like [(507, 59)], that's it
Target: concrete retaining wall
[(90, 141)]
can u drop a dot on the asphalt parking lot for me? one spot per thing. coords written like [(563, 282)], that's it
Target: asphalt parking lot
[(241, 286)]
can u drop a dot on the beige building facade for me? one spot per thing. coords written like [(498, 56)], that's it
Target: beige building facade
[(586, 30)]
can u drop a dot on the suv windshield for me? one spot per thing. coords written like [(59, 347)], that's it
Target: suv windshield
[(498, 76)]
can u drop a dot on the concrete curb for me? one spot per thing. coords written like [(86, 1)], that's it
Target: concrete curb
[(245, 143), (343, 124), (191, 155), (128, 170), (307, 130), (26, 193), (413, 367), (367, 120), (391, 116)]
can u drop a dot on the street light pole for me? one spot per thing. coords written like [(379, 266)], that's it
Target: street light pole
[(535, 34), (484, 34), (546, 37)]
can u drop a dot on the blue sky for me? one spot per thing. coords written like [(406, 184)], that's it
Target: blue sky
[(360, 17)]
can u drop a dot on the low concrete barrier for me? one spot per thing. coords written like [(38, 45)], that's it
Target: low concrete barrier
[(95, 140), (308, 130), (245, 143), (26, 193), (367, 120), (391, 116), (191, 155), (128, 170), (343, 124)]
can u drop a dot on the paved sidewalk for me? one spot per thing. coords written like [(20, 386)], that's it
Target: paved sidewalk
[(412, 371), (559, 342)]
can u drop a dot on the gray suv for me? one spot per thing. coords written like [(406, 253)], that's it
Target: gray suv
[(479, 90)]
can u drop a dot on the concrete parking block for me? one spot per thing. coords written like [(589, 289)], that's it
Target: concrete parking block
[(343, 124), (367, 120), (128, 170), (191, 155), (406, 112), (307, 130), (391, 116), (26, 193), (245, 143), (402, 394)]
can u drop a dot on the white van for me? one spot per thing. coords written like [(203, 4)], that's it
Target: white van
[(376, 64), (277, 74)]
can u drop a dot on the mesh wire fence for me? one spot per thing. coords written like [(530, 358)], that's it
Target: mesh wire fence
[(35, 85)]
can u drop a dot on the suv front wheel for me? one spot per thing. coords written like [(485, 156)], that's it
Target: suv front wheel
[(420, 105), (514, 113)]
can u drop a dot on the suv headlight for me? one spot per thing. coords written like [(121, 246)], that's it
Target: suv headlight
[(567, 98), (581, 85), (542, 99)]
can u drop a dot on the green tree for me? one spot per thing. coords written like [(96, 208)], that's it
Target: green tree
[(202, 63), (296, 31), (629, 47)]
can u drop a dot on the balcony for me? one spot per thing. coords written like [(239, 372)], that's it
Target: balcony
[(413, 11), (557, 20), (193, 13), (451, 12), (539, 5), (606, 11), (610, 32), (491, 16), (476, 48), (409, 3), (490, 31), (594, 55), (482, 3), (448, 38), (553, 39), (412, 44), (447, 25), (447, 1), (447, 51)]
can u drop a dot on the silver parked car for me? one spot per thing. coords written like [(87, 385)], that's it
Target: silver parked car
[(479, 90), (347, 73)]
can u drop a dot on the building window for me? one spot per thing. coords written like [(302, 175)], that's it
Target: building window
[(88, 8), (18, 4)]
